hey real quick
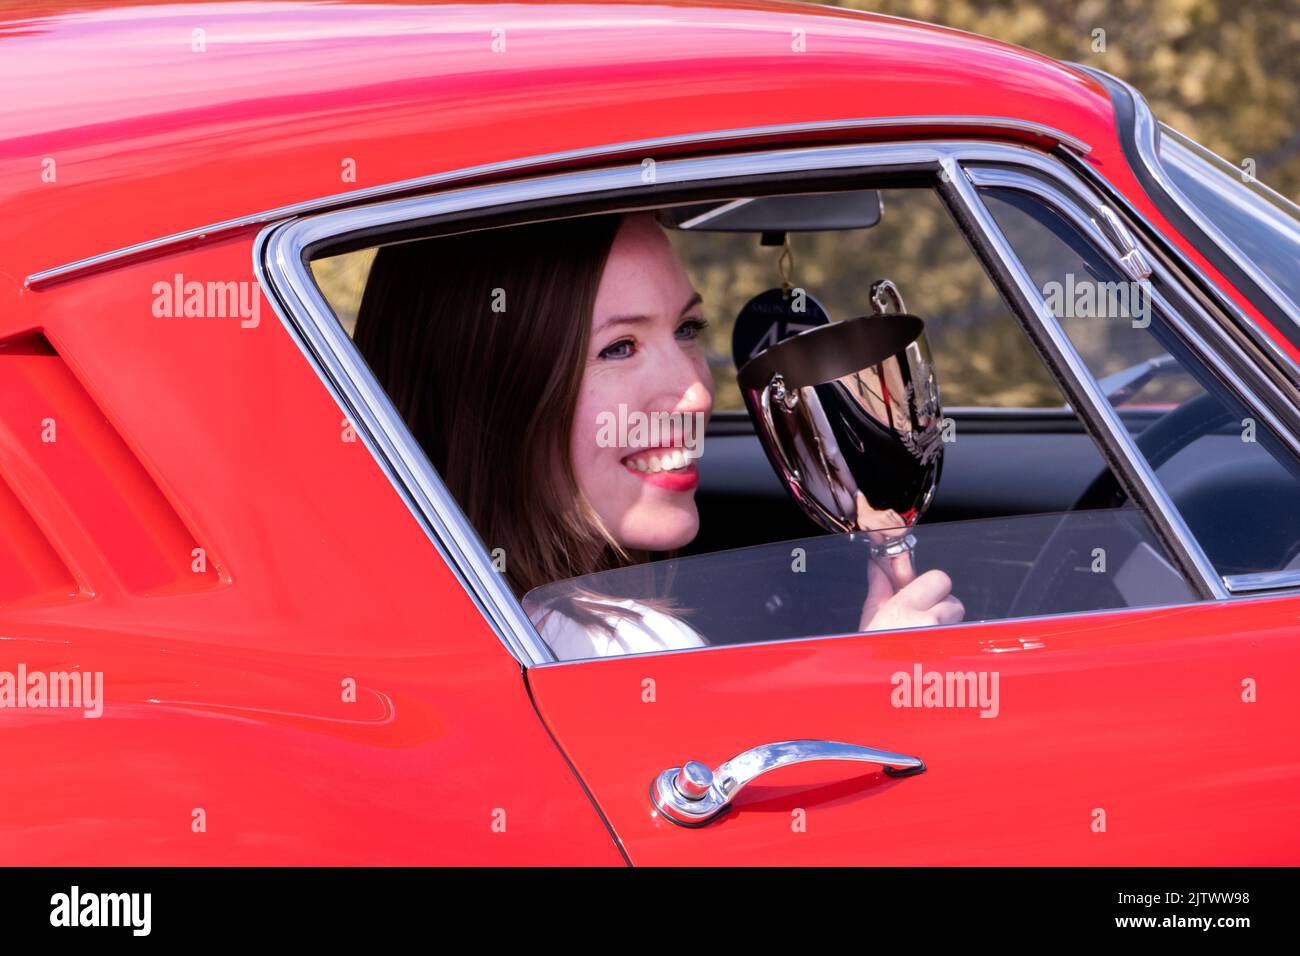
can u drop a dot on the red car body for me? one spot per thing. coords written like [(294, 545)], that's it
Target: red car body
[(222, 687)]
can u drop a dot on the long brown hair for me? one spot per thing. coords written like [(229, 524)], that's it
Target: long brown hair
[(480, 340)]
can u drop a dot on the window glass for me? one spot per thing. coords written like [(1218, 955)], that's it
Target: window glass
[(342, 280), (1232, 479), (1264, 226), (1001, 568)]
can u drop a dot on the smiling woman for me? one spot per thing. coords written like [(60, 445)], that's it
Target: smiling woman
[(555, 375), (478, 341), (645, 355), (506, 353)]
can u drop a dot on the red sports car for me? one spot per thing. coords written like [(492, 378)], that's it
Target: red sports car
[(244, 619)]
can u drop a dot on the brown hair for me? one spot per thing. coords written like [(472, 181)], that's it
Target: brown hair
[(480, 340)]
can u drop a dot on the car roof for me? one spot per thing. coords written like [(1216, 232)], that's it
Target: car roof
[(163, 118)]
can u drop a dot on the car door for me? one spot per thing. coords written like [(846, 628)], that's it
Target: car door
[(1119, 738), (1139, 735)]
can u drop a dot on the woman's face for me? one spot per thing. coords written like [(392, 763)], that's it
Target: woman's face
[(646, 394)]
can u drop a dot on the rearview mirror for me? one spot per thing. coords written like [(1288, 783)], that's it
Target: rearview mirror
[(809, 212)]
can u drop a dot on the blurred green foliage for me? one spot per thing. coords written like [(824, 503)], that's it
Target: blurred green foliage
[(1225, 73)]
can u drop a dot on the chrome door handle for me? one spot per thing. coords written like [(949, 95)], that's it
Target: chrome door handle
[(692, 795)]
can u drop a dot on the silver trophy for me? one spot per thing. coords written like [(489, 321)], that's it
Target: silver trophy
[(849, 415)]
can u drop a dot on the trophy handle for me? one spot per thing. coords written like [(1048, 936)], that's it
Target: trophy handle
[(885, 296), (776, 388)]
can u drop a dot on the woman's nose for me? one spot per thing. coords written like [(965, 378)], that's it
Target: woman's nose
[(690, 415), (684, 382), (698, 397)]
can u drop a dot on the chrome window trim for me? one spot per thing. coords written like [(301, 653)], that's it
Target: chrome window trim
[(46, 277), (281, 267), (1284, 579), (1070, 205), (1147, 138), (1286, 431), (1095, 186), (334, 226), (278, 259)]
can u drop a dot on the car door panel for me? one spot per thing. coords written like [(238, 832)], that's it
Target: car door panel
[(1138, 714)]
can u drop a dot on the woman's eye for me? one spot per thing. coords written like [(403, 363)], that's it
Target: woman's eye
[(619, 350), (691, 328)]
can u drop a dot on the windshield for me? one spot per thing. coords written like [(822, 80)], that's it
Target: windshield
[(1262, 225), (1000, 568)]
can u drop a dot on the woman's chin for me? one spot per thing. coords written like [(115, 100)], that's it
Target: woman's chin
[(661, 531)]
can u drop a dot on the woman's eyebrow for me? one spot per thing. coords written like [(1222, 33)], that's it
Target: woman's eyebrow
[(693, 301)]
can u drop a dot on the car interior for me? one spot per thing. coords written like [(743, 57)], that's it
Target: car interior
[(1192, 434), (982, 473)]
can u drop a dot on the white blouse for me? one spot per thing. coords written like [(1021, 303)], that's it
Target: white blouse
[(649, 630)]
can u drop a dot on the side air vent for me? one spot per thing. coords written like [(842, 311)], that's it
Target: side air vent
[(30, 569), (68, 482)]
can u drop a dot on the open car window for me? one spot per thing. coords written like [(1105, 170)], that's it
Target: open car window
[(1017, 522), (1002, 568)]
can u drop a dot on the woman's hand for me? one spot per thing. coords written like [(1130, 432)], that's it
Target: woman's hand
[(923, 602), (896, 597)]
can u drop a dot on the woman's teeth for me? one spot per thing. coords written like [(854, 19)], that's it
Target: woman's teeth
[(672, 461)]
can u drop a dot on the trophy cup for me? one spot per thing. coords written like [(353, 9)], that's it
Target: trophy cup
[(849, 416)]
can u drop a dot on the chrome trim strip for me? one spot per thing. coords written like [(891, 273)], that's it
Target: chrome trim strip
[(1130, 466), (334, 226), (279, 262), (69, 270), (1263, 580), (1147, 137)]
